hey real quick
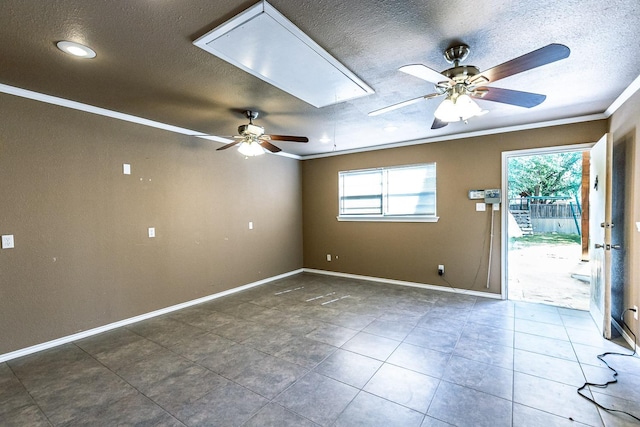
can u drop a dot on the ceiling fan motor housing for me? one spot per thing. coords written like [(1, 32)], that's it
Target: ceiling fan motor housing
[(250, 129)]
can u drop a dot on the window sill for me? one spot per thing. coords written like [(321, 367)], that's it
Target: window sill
[(399, 218)]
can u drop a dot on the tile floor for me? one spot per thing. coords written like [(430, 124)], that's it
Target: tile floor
[(313, 350)]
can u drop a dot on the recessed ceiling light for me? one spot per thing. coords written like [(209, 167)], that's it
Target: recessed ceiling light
[(76, 49)]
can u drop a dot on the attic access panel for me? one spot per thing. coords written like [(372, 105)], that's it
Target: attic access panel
[(264, 43)]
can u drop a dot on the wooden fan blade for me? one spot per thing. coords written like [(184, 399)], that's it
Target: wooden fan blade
[(437, 123), (544, 55), (425, 73), (402, 104), (288, 138), (509, 96), (224, 147), (269, 146)]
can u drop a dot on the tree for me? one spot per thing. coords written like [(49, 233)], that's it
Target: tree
[(558, 174)]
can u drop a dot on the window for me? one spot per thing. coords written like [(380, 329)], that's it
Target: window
[(405, 193)]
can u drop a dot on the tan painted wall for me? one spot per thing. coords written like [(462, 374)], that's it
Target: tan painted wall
[(82, 257), (412, 251), (625, 126)]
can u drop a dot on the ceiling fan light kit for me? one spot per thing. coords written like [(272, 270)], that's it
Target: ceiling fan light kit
[(251, 149)]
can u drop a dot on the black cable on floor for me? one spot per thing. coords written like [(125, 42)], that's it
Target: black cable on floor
[(615, 373)]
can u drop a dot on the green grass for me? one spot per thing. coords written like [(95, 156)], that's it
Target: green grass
[(548, 239)]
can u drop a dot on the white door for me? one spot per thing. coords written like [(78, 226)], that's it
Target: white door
[(600, 233)]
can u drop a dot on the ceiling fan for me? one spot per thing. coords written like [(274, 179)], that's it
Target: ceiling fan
[(460, 84), (253, 141)]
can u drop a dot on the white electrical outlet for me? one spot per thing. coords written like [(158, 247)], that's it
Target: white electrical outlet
[(328, 257), (152, 232), (7, 241), (481, 207)]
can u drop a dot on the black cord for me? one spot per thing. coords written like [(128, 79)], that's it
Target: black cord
[(615, 373)]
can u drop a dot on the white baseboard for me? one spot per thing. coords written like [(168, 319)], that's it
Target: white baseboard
[(403, 283), (84, 334), (624, 334)]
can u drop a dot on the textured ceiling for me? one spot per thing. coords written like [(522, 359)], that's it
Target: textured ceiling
[(147, 65)]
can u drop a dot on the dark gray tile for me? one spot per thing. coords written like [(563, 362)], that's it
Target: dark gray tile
[(133, 410), (485, 352), (371, 345), (332, 334), (269, 341), (543, 329), (543, 345), (466, 407), (49, 367), (232, 360), (579, 322), (495, 320), (268, 377), (479, 376), (318, 398), (372, 411), (305, 352), (240, 330), (204, 347), (167, 331), (420, 359), (65, 401), (617, 417), (393, 330), (118, 348), (244, 310), (434, 340), (553, 397), (477, 331), (349, 368), (523, 416), (552, 368), (442, 323), (153, 368), (203, 318), (182, 387), (542, 316), (350, 320), (433, 422), (404, 387), (231, 405), (26, 415), (299, 325), (274, 415)]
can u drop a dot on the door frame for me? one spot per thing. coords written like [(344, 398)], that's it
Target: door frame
[(504, 243)]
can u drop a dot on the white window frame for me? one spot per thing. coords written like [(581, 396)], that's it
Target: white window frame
[(384, 216)]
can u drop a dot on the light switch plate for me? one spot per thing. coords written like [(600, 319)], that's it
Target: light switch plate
[(126, 168), (152, 232), (7, 241)]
